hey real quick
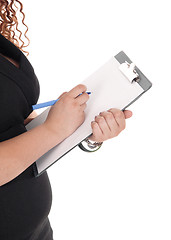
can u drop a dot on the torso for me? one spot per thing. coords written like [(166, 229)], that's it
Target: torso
[(25, 201)]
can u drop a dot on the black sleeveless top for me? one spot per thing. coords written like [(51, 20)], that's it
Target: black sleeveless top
[(25, 201)]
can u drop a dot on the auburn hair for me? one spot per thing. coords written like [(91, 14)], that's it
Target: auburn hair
[(9, 22)]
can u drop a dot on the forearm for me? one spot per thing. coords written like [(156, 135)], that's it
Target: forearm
[(18, 153)]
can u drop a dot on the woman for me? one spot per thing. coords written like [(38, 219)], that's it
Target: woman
[(25, 201)]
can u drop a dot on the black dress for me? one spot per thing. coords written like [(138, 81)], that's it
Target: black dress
[(25, 201)]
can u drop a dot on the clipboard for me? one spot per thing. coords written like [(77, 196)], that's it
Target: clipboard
[(116, 84)]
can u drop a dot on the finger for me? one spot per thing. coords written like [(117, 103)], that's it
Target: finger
[(77, 90), (119, 117), (110, 120), (83, 98), (103, 125), (97, 133), (127, 114)]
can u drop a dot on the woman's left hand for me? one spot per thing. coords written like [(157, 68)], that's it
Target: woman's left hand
[(109, 124)]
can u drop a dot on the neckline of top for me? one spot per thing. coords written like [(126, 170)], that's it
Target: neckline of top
[(13, 48), (5, 58)]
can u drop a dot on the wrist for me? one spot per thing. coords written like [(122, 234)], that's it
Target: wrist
[(55, 135)]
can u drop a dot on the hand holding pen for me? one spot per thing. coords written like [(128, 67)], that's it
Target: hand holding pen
[(67, 114), (49, 103)]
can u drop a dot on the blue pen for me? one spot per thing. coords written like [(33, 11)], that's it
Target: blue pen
[(47, 104)]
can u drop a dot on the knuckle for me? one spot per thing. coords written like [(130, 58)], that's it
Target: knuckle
[(66, 97), (62, 100), (113, 110), (74, 104), (109, 116), (119, 114), (102, 114), (100, 119)]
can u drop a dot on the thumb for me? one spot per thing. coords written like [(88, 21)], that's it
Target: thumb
[(127, 114)]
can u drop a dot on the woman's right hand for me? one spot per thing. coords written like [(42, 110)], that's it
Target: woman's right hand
[(67, 114)]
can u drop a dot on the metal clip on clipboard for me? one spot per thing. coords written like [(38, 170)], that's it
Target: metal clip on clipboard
[(128, 69)]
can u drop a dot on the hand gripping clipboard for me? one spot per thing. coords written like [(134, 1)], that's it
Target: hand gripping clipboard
[(116, 84)]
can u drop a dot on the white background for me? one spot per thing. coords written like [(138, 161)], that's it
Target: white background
[(123, 191)]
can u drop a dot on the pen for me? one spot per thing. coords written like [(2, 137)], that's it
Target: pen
[(47, 104)]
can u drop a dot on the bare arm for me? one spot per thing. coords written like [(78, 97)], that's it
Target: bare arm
[(18, 153)]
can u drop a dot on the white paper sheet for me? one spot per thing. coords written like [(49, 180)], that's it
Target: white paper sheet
[(110, 89)]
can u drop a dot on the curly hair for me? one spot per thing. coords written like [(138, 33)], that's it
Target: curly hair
[(9, 22)]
